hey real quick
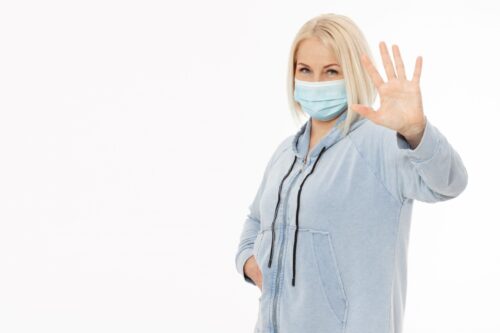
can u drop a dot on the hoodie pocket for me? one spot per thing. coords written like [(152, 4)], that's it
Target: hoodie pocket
[(329, 274)]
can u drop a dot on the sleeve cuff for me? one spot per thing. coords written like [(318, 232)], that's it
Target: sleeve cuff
[(427, 146), (240, 262)]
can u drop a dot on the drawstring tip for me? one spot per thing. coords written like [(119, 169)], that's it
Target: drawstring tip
[(293, 281)]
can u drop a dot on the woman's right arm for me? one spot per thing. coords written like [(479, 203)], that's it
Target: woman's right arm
[(251, 225)]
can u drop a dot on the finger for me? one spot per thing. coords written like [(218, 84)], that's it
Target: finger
[(418, 70), (389, 68), (399, 62), (372, 71), (366, 112)]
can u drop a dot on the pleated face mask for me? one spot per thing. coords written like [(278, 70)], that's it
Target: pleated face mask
[(322, 100)]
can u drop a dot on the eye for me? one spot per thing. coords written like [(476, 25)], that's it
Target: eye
[(330, 70)]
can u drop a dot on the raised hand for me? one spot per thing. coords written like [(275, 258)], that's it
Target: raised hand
[(400, 99)]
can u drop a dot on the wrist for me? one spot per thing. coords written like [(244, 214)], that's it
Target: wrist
[(414, 134)]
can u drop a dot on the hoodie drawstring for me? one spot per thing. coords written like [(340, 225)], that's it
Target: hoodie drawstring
[(297, 211), (276, 210)]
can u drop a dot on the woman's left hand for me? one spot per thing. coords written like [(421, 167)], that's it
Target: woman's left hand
[(400, 99)]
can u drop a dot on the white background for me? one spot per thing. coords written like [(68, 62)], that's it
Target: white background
[(134, 134)]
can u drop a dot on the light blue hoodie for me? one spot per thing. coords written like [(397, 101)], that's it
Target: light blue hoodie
[(341, 226)]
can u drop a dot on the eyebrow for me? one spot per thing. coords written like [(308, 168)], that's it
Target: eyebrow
[(323, 67)]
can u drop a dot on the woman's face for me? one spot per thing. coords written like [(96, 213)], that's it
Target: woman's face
[(315, 62)]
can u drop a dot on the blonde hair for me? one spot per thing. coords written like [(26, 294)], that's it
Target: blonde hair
[(345, 39)]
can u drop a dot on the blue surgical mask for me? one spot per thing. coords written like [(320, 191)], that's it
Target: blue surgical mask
[(322, 100)]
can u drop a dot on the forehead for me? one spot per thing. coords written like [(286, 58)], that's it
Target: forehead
[(313, 52)]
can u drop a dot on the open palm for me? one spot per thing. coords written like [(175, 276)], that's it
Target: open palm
[(400, 99)]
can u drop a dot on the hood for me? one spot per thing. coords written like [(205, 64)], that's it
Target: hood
[(300, 142)]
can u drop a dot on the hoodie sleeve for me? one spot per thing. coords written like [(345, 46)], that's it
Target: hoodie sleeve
[(431, 172), (251, 228), (251, 225)]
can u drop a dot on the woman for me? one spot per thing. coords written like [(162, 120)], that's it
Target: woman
[(327, 234)]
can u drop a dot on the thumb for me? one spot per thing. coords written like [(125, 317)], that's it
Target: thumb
[(364, 111)]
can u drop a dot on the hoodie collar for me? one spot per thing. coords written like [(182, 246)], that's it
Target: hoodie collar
[(300, 143)]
